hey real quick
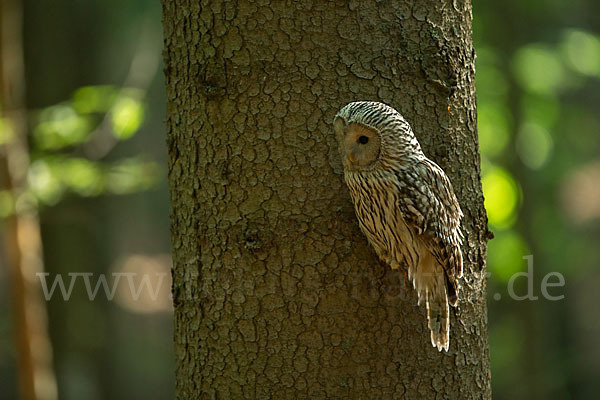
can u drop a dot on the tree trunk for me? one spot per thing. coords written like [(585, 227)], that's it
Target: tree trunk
[(277, 294)]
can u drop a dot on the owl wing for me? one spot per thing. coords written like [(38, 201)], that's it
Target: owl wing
[(430, 207)]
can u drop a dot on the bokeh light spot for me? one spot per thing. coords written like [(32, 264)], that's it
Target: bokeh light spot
[(580, 193), (127, 116), (82, 177), (534, 145), (94, 99), (505, 255), (44, 181), (501, 196), (538, 69), (493, 125), (582, 52), (60, 126), (131, 175), (145, 286)]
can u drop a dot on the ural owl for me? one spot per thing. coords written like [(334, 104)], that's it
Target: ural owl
[(405, 206)]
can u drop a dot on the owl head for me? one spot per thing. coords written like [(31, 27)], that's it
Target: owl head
[(373, 135)]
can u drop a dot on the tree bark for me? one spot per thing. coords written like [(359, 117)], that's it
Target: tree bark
[(277, 294)]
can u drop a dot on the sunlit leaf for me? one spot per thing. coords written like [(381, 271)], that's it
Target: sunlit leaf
[(581, 51), (505, 255), (82, 176), (131, 175), (538, 69), (60, 126), (126, 116), (94, 99), (534, 145), (44, 180), (501, 196)]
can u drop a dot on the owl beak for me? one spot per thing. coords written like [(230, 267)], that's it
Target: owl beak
[(351, 158)]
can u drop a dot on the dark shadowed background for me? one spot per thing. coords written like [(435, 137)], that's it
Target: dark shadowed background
[(97, 179)]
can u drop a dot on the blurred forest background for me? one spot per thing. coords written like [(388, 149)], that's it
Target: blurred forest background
[(96, 177)]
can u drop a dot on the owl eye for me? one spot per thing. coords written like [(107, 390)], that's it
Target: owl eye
[(363, 140)]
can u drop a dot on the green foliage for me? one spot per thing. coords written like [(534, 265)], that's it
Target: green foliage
[(534, 144), (494, 128), (581, 52), (82, 176), (60, 126), (538, 69), (50, 177), (537, 93), (505, 255), (501, 194), (94, 99), (510, 343), (131, 175), (543, 110), (44, 180), (127, 115), (74, 122), (61, 133)]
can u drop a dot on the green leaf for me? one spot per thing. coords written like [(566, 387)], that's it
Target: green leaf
[(505, 255), (126, 116), (501, 194), (131, 175), (44, 180), (82, 176), (60, 126), (94, 99)]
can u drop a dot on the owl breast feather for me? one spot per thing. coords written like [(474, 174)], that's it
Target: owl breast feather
[(375, 199)]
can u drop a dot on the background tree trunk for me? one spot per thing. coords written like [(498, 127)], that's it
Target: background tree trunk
[(277, 293), (21, 229)]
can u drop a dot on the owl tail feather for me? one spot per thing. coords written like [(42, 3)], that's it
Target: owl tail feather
[(429, 280), (438, 318)]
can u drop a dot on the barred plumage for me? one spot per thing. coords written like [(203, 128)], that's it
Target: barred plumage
[(405, 206)]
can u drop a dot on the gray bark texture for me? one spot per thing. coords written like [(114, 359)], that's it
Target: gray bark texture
[(277, 293)]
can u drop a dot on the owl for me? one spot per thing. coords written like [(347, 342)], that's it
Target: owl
[(405, 206)]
